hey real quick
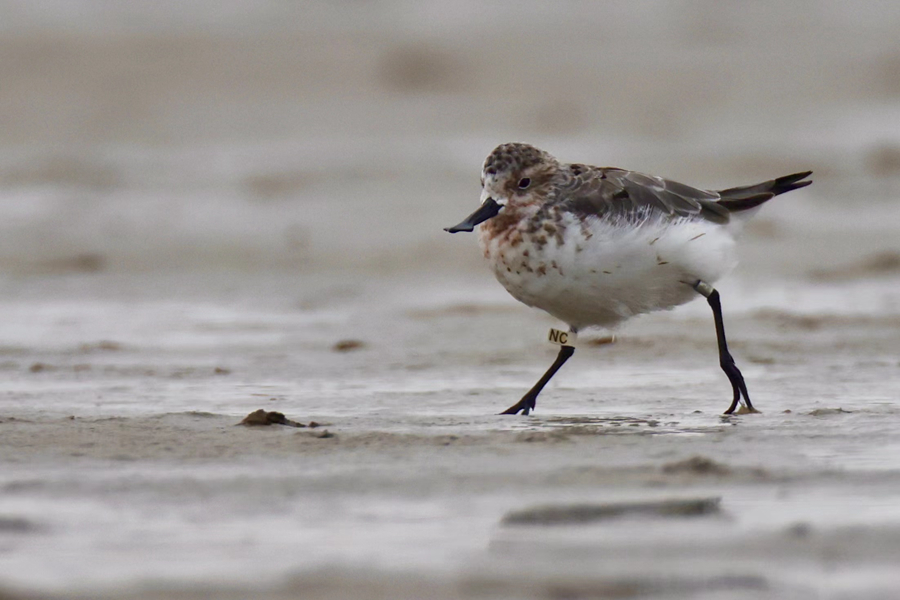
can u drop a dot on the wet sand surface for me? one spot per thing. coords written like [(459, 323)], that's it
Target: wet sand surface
[(126, 474), (211, 210)]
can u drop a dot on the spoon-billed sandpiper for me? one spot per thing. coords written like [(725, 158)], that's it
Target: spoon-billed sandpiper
[(594, 246)]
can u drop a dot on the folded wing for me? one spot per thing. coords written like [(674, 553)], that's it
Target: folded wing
[(617, 193)]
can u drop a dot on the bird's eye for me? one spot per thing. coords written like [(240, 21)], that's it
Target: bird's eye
[(524, 183)]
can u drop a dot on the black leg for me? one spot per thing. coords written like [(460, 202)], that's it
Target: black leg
[(725, 359), (526, 404)]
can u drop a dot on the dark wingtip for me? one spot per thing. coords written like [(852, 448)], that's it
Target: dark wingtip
[(742, 196), (790, 182), (794, 186), (745, 203), (794, 177)]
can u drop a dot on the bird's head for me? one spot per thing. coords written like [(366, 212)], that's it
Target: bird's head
[(514, 176)]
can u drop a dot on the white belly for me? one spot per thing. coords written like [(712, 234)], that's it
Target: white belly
[(602, 274)]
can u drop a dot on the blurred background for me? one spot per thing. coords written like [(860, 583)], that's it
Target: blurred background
[(270, 135)]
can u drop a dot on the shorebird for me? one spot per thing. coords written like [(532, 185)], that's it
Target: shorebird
[(595, 246)]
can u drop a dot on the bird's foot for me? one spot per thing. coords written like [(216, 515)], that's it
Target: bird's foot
[(741, 407), (525, 406)]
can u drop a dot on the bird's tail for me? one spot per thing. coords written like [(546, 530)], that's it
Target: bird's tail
[(744, 198)]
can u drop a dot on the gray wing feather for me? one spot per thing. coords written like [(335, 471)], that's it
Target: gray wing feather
[(617, 193)]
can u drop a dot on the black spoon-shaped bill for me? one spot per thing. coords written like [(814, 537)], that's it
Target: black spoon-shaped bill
[(487, 210)]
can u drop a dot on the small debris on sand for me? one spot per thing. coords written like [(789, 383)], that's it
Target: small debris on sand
[(263, 417), (325, 434), (348, 345), (697, 465), (822, 412), (576, 514)]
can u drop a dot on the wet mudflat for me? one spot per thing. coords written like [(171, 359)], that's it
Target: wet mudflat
[(126, 472)]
